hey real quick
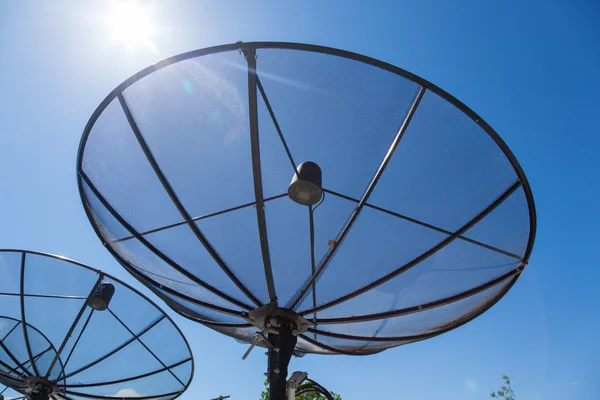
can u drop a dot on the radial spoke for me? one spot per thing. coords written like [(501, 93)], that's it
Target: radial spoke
[(47, 296), (75, 322), (424, 255), (87, 321), (324, 346), (174, 293), (10, 331), (257, 174), (442, 329), (195, 219), (115, 350), (18, 364), (158, 371), (184, 213), (146, 347), (277, 128), (311, 220), (88, 396), (154, 250), (344, 232), (14, 360), (423, 307), (39, 355), (23, 319), (426, 225)]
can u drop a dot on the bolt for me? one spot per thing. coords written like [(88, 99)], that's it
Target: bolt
[(295, 332), (276, 370)]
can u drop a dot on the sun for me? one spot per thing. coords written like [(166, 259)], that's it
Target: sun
[(131, 24)]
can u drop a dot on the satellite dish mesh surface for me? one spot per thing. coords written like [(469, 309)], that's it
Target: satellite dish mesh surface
[(71, 332), (416, 218)]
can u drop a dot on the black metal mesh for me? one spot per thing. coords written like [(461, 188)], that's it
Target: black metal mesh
[(355, 346), (149, 264), (426, 221), (446, 170), (131, 349), (455, 269), (334, 111), (198, 311), (418, 323), (507, 227)]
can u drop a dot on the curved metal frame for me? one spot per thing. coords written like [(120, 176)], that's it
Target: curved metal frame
[(256, 87), (101, 275), (31, 359)]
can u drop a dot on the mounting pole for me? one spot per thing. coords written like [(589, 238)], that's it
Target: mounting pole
[(279, 359)]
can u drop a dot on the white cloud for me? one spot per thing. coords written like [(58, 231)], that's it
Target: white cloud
[(127, 393), (470, 385)]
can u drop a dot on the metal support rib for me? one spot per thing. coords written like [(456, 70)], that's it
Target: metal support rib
[(157, 288), (311, 221), (87, 321), (94, 397), (423, 307), (323, 346), (10, 331), (425, 225), (205, 216), (279, 132), (72, 328), (23, 320), (39, 355), (256, 171), (144, 345), (115, 350), (363, 200), (171, 192), (158, 371), (15, 360), (154, 250), (422, 336), (423, 256), (47, 296)]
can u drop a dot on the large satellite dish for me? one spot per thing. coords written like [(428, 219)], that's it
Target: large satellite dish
[(71, 332), (336, 203)]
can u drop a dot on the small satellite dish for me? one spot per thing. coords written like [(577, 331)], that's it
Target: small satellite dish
[(68, 332), (305, 199)]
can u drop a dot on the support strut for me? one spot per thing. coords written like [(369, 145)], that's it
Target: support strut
[(279, 359)]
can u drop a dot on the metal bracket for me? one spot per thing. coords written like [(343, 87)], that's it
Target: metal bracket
[(259, 337), (272, 319), (39, 388)]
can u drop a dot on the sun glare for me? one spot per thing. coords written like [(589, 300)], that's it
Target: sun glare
[(132, 25)]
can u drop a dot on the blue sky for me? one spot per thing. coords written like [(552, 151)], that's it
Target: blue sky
[(530, 70)]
